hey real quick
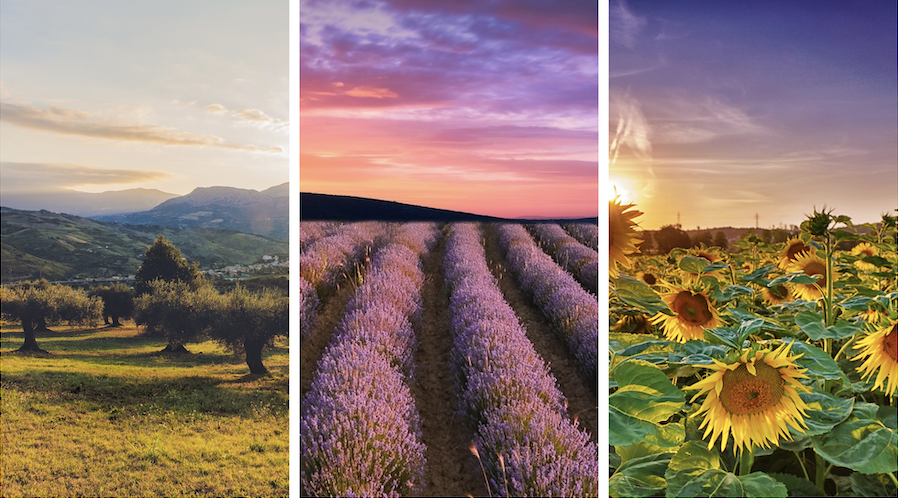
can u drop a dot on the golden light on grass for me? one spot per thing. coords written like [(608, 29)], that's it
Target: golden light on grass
[(694, 313), (864, 249), (755, 398), (810, 265), (880, 349), (789, 254), (623, 237)]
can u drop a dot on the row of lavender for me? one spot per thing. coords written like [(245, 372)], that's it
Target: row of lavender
[(322, 261), (572, 310), (586, 234), (360, 431), (581, 261), (527, 444)]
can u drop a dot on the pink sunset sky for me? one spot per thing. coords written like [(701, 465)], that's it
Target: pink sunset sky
[(483, 107)]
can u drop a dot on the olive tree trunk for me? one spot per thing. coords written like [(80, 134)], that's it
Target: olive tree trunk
[(253, 348), (30, 340)]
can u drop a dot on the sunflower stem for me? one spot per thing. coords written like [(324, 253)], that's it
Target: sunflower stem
[(820, 477), (892, 477), (801, 462), (830, 315), (746, 461), (844, 347)]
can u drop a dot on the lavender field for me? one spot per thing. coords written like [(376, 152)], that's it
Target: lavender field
[(448, 359)]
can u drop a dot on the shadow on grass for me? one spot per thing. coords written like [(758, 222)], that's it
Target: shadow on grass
[(119, 396)]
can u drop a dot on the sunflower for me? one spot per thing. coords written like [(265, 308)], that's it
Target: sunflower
[(647, 277), (810, 265), (755, 397), (777, 295), (794, 247), (622, 235), (864, 249), (694, 313), (634, 324), (880, 348), (709, 254), (872, 315)]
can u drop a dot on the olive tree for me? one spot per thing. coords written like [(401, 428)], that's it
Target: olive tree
[(34, 304), (118, 302), (163, 261), (176, 311), (249, 321)]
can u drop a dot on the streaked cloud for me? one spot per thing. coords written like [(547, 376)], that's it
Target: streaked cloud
[(470, 104), (22, 177), (216, 108), (251, 116), (624, 25), (67, 121)]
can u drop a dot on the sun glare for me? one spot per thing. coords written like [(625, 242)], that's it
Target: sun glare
[(618, 187)]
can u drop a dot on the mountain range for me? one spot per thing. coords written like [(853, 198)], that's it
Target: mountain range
[(244, 210), (87, 203)]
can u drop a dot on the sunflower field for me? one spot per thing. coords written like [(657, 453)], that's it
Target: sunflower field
[(765, 370)]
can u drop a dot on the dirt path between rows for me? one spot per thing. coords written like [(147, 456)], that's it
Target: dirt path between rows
[(313, 347), (582, 396), (451, 468)]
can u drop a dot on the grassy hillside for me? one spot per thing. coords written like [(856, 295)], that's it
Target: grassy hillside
[(104, 416), (59, 246)]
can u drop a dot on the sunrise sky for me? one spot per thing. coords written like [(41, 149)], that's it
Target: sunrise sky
[(483, 107), (721, 110), (110, 95)]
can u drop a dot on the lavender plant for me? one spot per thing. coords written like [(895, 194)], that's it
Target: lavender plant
[(563, 301), (580, 261), (360, 429), (527, 444), (587, 234)]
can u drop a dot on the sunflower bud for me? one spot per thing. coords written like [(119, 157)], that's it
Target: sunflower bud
[(889, 221), (818, 223)]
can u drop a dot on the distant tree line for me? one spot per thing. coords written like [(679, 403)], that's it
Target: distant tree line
[(170, 298), (670, 237)]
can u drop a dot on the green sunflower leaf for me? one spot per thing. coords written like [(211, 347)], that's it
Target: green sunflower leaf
[(818, 362), (759, 274), (799, 277), (864, 442), (640, 476), (812, 325), (691, 264), (644, 399), (730, 292), (856, 303), (798, 486), (872, 485), (825, 412), (696, 471), (638, 294)]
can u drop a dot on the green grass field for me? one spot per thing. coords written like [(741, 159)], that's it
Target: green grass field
[(103, 416)]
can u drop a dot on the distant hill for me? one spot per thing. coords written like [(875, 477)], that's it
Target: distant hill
[(347, 208), (61, 246), (244, 210), (87, 203)]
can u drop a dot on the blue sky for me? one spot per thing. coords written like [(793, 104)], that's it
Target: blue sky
[(722, 110)]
